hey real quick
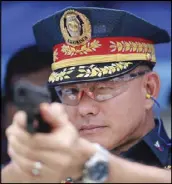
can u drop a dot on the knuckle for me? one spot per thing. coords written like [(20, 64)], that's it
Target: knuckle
[(9, 151), (19, 116), (16, 116), (9, 130)]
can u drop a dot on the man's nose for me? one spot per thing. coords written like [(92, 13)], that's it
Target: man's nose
[(87, 106)]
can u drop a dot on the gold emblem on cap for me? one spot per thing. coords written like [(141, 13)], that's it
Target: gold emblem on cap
[(75, 28)]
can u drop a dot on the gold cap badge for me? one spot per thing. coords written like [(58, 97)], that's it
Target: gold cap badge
[(75, 28)]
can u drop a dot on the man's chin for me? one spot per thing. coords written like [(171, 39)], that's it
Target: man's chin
[(95, 138)]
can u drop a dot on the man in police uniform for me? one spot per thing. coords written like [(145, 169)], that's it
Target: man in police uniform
[(102, 72)]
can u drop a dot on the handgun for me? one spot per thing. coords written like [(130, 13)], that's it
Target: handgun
[(28, 97)]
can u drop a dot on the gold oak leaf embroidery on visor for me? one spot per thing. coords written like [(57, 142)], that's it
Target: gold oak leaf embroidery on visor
[(94, 71), (89, 71), (64, 74)]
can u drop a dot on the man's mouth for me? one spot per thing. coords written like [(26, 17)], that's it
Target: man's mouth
[(91, 129)]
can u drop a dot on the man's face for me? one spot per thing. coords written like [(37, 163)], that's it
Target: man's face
[(37, 78), (116, 119)]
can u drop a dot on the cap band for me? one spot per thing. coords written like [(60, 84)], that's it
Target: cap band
[(102, 50)]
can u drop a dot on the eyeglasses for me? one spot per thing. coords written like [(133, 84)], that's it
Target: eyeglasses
[(98, 91)]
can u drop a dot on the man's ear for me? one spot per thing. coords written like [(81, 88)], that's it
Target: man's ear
[(151, 88)]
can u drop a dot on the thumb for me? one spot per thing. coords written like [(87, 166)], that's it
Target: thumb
[(54, 114)]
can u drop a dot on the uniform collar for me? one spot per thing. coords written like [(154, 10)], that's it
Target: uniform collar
[(151, 149)]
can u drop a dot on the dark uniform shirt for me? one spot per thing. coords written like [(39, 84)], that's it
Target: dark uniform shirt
[(152, 149)]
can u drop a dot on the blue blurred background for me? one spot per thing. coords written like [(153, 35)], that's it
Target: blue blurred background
[(18, 18)]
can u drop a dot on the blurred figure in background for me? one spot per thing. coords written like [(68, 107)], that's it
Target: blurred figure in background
[(20, 67)]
